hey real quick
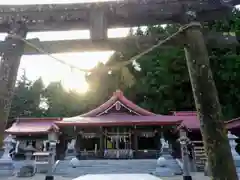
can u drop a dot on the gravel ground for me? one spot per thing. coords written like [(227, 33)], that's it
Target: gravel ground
[(197, 176)]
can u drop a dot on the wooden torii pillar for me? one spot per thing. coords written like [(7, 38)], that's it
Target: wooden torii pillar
[(9, 64), (207, 104)]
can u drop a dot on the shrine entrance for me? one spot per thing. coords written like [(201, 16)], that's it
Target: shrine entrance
[(118, 144)]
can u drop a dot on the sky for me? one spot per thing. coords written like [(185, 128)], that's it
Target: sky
[(50, 70)]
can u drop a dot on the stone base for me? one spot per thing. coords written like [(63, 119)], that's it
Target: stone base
[(42, 168), (6, 167), (171, 163), (164, 172), (75, 162), (26, 171)]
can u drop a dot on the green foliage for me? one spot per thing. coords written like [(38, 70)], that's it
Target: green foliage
[(32, 99), (26, 98), (62, 103)]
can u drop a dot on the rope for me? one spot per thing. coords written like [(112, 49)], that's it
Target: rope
[(45, 52), (117, 65)]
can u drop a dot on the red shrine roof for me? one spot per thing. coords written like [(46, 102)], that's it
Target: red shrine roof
[(184, 113), (117, 100), (233, 124), (33, 126), (110, 114), (120, 120), (190, 120)]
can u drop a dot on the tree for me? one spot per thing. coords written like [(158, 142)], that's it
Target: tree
[(62, 103), (26, 99)]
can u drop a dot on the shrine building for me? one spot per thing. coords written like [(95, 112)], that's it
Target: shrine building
[(116, 129)]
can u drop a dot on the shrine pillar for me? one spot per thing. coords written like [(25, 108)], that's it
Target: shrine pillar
[(98, 24), (135, 142), (101, 143), (9, 64), (78, 145), (208, 106)]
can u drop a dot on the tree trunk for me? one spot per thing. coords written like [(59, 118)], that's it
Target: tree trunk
[(208, 107), (8, 70)]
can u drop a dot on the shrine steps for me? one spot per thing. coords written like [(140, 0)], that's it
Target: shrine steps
[(64, 168)]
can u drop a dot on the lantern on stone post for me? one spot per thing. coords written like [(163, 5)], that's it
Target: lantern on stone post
[(185, 158), (52, 139), (52, 136), (29, 150)]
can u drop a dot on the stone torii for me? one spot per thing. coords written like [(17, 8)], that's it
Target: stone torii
[(18, 20)]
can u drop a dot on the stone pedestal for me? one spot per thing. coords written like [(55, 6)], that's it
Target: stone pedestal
[(28, 169), (236, 156), (166, 165), (70, 152), (75, 162), (6, 163)]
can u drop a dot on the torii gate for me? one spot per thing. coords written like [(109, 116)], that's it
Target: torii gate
[(98, 17)]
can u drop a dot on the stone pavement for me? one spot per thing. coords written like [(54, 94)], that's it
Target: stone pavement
[(197, 176)]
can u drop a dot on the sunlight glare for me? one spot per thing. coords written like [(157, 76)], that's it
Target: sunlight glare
[(76, 82), (50, 70)]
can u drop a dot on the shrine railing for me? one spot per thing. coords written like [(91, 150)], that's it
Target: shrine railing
[(118, 153)]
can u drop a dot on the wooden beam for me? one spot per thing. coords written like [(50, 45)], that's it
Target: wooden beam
[(84, 45), (115, 44), (118, 14)]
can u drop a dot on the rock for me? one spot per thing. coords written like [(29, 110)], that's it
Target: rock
[(168, 164), (75, 162), (26, 171), (164, 172)]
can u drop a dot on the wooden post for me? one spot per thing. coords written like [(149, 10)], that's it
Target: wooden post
[(101, 143), (208, 107), (9, 65), (98, 24), (135, 142)]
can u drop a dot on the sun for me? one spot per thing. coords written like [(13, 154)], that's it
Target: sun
[(75, 81), (78, 86)]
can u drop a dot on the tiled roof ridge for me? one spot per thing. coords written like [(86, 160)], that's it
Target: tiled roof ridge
[(117, 96), (184, 113), (30, 119)]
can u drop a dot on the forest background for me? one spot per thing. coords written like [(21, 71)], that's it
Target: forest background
[(158, 81)]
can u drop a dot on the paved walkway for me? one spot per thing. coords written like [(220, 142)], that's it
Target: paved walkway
[(197, 176)]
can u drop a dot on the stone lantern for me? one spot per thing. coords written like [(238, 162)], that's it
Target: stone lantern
[(166, 165), (71, 152), (184, 141), (232, 142), (29, 150), (8, 145), (6, 163), (52, 138), (28, 169)]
